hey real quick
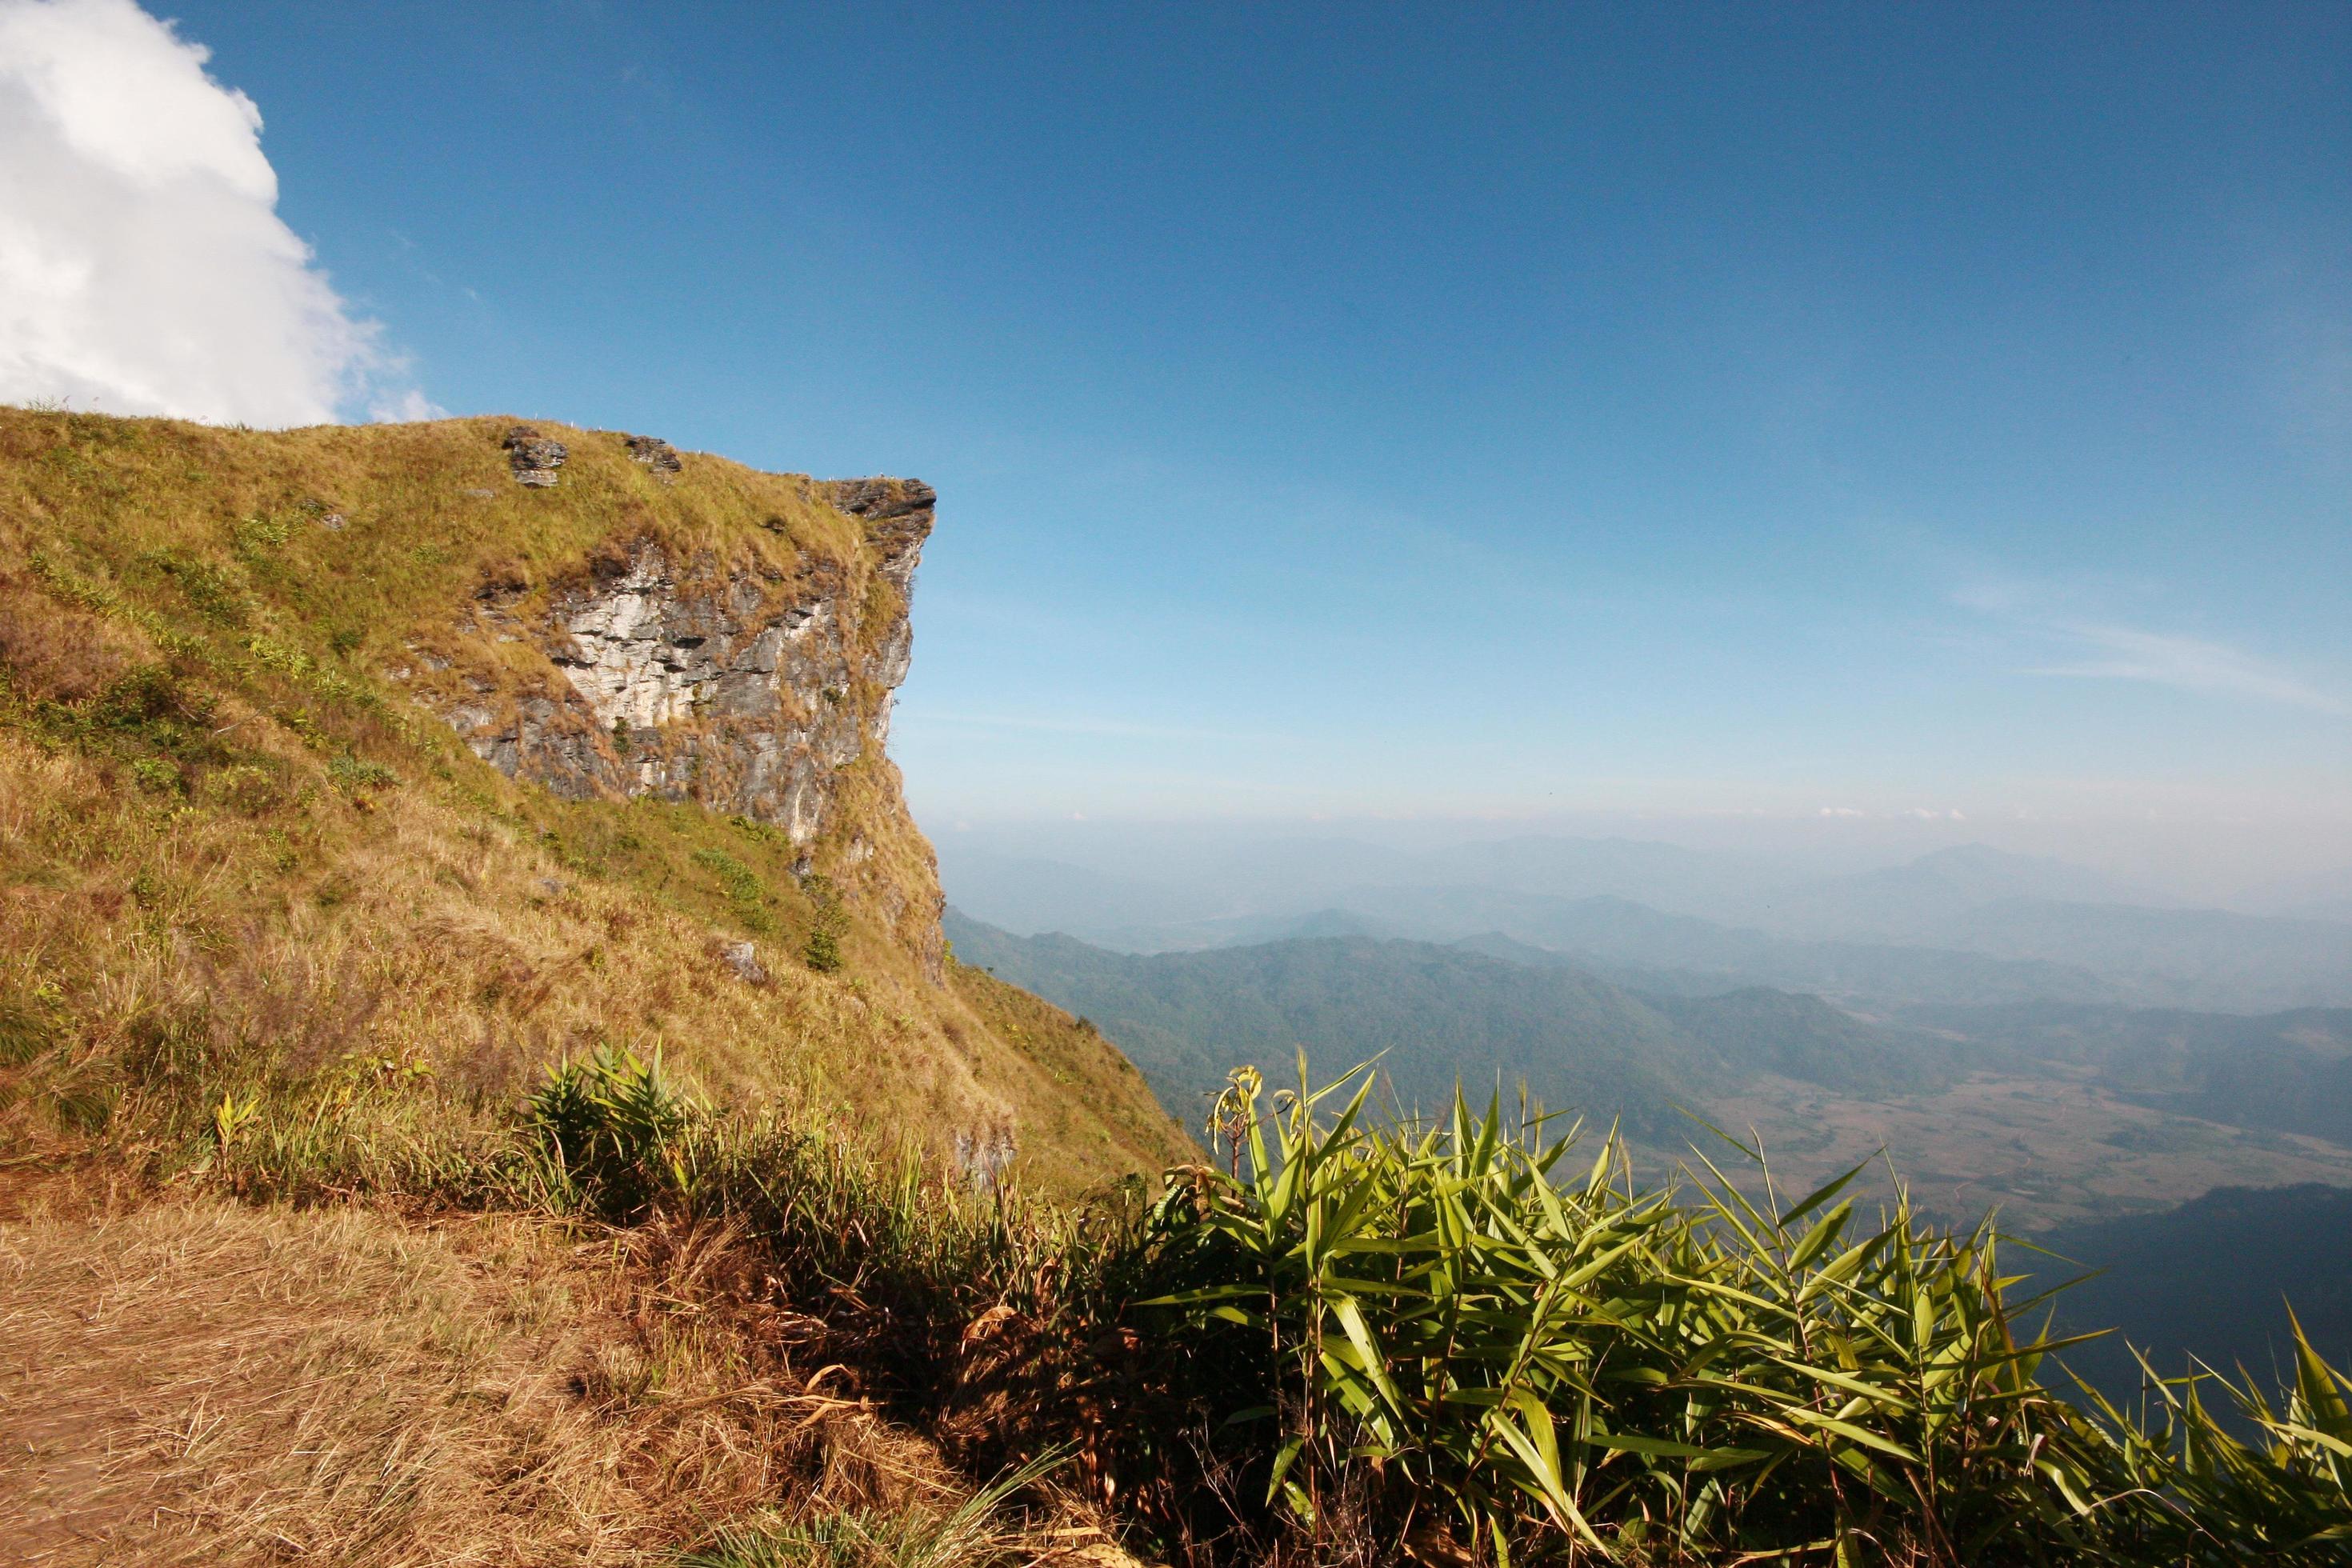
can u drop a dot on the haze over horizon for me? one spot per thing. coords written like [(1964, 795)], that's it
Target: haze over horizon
[(1838, 433)]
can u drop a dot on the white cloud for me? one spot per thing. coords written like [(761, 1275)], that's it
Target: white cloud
[(143, 268), (2186, 664), (402, 407)]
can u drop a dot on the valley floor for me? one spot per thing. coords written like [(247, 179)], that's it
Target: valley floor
[(2048, 1149)]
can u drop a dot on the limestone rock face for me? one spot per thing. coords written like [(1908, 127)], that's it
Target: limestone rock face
[(747, 692), (533, 458), (657, 455)]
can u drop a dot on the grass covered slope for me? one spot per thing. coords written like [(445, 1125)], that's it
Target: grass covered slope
[(250, 888)]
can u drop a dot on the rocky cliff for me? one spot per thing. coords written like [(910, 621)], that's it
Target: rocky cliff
[(374, 768), (755, 683), (746, 691)]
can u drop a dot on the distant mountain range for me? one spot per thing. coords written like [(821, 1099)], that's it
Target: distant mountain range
[(1964, 925), (1443, 1014)]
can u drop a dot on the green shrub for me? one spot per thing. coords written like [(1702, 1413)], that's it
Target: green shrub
[(158, 776), (615, 1130), (828, 923), (207, 589), (258, 538), (356, 775), (747, 896), (1445, 1323)]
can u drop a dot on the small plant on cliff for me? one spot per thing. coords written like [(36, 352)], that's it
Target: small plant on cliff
[(828, 921), (745, 894)]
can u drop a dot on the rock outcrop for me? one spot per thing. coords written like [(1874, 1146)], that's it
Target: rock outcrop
[(657, 455), (745, 690), (533, 458)]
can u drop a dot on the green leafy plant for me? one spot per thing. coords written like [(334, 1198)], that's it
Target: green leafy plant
[(1459, 1333), (356, 775), (615, 1130), (828, 923), (158, 776), (231, 1117)]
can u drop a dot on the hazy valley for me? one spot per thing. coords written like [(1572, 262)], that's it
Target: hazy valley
[(2001, 1033)]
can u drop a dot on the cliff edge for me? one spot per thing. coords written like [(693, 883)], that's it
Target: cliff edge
[(417, 756)]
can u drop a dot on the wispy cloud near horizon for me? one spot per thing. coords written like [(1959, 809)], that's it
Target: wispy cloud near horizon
[(2186, 664), (2081, 648), (1116, 728)]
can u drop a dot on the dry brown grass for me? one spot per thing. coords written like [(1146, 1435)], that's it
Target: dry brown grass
[(201, 1381), (240, 867), (195, 901)]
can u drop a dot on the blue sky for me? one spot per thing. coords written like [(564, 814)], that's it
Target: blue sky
[(1447, 410)]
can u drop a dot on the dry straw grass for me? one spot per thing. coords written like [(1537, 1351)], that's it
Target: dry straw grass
[(200, 1382)]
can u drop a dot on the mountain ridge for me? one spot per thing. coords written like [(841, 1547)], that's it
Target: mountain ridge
[(357, 773), (1442, 1014)]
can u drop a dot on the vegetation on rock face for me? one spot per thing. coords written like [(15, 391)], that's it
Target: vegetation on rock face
[(239, 861)]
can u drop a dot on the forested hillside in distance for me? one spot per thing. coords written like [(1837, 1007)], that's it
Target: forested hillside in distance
[(2289, 1072), (1968, 925), (1443, 1014), (2211, 1280)]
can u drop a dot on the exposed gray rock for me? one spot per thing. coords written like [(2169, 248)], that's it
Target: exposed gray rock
[(744, 960), (655, 454), (897, 515), (747, 695), (533, 458)]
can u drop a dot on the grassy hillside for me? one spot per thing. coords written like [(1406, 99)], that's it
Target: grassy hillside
[(253, 886)]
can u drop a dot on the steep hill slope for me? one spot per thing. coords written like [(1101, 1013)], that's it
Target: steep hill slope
[(2210, 1280), (347, 774)]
